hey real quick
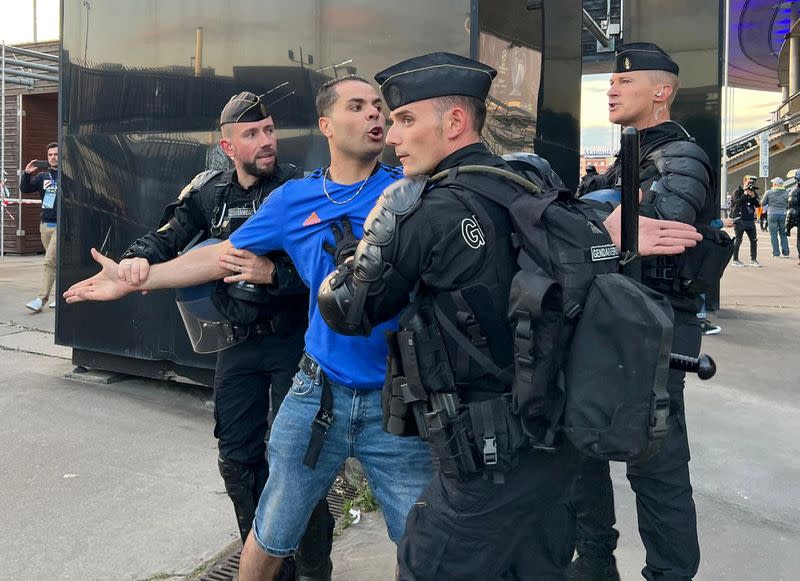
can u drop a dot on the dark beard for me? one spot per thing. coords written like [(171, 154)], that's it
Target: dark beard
[(252, 169)]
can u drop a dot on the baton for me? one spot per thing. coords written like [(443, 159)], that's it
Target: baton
[(630, 262)]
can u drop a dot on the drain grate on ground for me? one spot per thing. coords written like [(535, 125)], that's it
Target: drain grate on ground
[(339, 494), (226, 568)]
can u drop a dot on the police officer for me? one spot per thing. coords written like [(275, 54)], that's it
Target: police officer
[(425, 238), (254, 373), (590, 182), (676, 179)]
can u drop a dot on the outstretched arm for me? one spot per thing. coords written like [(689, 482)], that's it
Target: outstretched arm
[(196, 267), (655, 236)]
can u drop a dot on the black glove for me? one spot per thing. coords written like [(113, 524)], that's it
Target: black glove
[(345, 242)]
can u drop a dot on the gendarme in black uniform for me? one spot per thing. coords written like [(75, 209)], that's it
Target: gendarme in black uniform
[(677, 184), (459, 268), (252, 377)]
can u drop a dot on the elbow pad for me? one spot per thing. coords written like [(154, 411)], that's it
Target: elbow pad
[(681, 191), (341, 302), (343, 294)]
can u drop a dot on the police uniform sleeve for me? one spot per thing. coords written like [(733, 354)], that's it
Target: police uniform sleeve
[(406, 241), (681, 191), (180, 223)]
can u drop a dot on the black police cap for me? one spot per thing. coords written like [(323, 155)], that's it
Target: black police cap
[(643, 56), (245, 107), (439, 74)]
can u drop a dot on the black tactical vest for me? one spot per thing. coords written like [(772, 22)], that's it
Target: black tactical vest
[(479, 309)]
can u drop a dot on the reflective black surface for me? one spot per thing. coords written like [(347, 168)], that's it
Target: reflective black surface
[(138, 122), (139, 118)]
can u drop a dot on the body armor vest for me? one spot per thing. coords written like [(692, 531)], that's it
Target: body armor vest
[(478, 310)]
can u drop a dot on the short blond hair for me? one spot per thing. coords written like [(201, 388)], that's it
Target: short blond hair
[(666, 78)]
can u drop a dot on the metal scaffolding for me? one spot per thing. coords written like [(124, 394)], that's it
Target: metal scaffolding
[(15, 70)]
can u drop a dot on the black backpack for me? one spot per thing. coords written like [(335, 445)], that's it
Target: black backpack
[(591, 346)]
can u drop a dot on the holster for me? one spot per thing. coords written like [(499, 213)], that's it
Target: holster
[(497, 434)]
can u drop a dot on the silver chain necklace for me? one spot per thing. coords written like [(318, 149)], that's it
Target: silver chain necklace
[(351, 198)]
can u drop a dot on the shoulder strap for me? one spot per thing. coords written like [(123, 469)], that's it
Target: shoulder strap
[(452, 174)]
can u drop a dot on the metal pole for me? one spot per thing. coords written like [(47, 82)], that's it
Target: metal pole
[(723, 178), (27, 75), (794, 64), (198, 52), (34, 53), (26, 64), (3, 151), (19, 164), (629, 242), (594, 29), (17, 81)]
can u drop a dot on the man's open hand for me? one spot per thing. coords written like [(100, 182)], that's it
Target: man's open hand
[(655, 236), (248, 267), (104, 286)]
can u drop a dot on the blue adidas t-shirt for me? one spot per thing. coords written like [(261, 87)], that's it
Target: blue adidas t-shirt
[(296, 218)]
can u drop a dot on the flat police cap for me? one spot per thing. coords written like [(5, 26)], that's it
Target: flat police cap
[(643, 56), (439, 74), (245, 107)]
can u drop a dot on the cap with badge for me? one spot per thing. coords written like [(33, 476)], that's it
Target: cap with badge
[(643, 56), (246, 107), (439, 74)]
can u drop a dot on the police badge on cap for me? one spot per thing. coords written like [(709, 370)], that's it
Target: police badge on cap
[(643, 56), (439, 74), (246, 107)]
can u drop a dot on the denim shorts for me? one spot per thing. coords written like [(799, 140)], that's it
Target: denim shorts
[(397, 469)]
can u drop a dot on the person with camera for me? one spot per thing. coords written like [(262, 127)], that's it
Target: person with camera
[(46, 183), (743, 212)]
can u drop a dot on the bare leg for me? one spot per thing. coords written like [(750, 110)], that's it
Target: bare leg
[(255, 564)]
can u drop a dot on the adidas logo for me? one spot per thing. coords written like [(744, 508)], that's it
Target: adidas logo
[(312, 219)]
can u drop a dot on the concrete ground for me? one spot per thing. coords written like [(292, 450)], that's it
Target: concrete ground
[(119, 481)]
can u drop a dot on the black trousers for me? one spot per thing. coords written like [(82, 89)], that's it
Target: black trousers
[(740, 227), (474, 529), (250, 382), (664, 505)]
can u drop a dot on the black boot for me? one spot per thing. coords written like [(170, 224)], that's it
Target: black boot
[(243, 483), (593, 568), (313, 555)]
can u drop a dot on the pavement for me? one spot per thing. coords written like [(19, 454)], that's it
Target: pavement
[(119, 481)]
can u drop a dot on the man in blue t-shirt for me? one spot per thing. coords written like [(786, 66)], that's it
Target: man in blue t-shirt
[(337, 389)]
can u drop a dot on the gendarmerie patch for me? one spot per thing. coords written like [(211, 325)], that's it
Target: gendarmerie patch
[(604, 252)]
